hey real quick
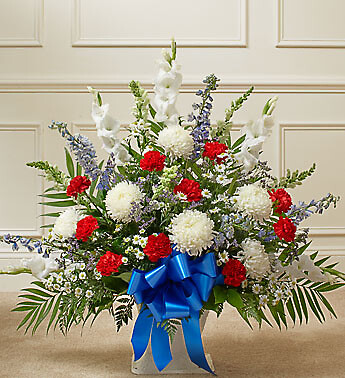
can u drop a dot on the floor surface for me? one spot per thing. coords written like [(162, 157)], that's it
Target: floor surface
[(313, 350)]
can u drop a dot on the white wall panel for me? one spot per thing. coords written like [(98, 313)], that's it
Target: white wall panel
[(153, 23), (21, 23), (19, 143), (311, 23)]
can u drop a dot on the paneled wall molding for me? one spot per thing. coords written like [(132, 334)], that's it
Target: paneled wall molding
[(283, 41), (226, 86), (36, 129), (303, 126), (36, 40), (78, 40)]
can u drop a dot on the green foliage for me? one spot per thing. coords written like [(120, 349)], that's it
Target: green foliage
[(292, 179), (237, 104), (51, 173), (123, 311), (170, 326), (38, 305)]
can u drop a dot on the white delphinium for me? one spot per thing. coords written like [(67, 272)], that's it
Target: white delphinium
[(192, 231), (255, 259), (256, 134), (40, 266), (120, 199), (254, 201), (176, 140), (66, 224)]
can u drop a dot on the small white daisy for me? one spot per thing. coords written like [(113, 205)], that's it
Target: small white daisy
[(73, 278), (224, 257), (208, 175), (244, 284), (142, 231), (124, 260), (256, 289), (127, 239), (222, 179), (98, 275), (263, 300), (67, 290), (82, 266), (215, 210), (50, 280), (279, 294), (88, 293), (136, 239), (294, 282), (59, 279), (206, 193), (140, 255), (56, 287), (78, 291), (220, 168), (275, 301), (181, 196), (67, 285), (118, 228), (82, 275), (219, 263), (288, 292)]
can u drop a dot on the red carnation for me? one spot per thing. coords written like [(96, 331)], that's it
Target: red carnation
[(234, 272), (78, 184), (152, 161), (190, 188), (282, 200), (85, 227), (157, 247), (285, 229), (213, 149), (109, 263)]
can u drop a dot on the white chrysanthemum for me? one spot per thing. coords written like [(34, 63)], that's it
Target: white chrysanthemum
[(192, 231), (120, 199), (255, 259), (176, 140), (66, 223), (254, 201)]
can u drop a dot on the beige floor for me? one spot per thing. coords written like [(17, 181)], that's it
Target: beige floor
[(313, 350)]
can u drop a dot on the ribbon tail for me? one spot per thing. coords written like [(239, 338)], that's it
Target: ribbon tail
[(141, 333), (160, 346), (193, 341)]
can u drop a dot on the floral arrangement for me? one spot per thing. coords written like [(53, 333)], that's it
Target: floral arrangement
[(180, 219)]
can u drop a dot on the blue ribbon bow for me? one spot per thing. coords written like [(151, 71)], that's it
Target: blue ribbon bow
[(177, 288)]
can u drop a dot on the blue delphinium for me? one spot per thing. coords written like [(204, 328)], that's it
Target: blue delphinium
[(28, 243), (201, 132), (82, 149)]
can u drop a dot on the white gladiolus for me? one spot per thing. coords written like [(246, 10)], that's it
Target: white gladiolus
[(256, 134), (66, 223), (108, 129), (305, 264), (255, 259), (254, 201), (192, 231), (120, 200), (41, 267), (167, 85), (176, 140)]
